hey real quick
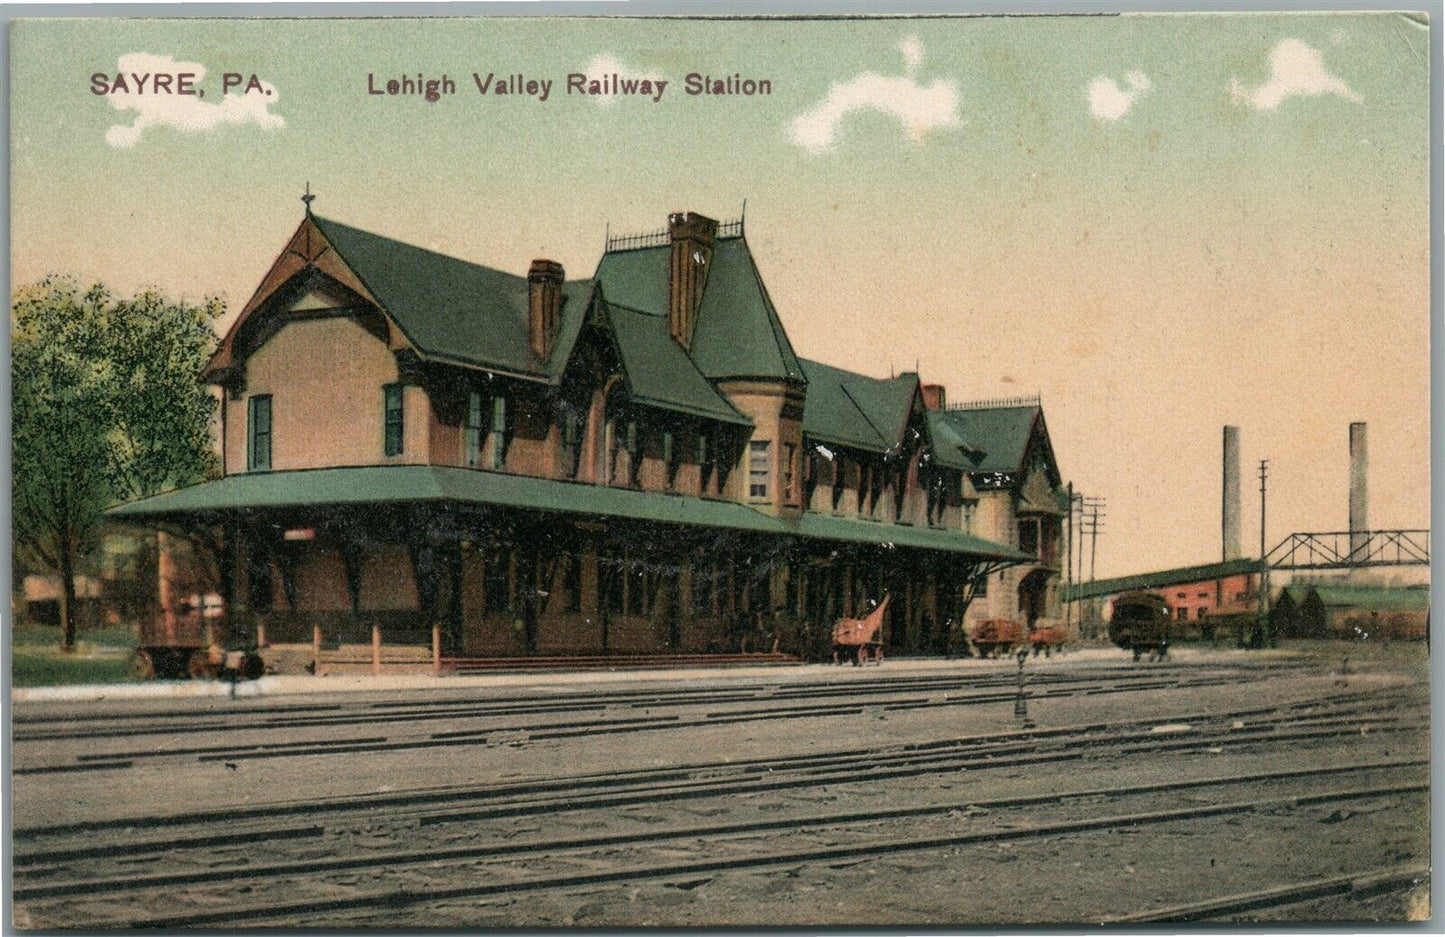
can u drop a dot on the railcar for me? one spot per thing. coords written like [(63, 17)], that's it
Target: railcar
[(193, 640), (1140, 623), (998, 636), (1046, 640)]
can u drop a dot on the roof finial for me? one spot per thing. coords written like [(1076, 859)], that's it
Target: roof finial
[(743, 218), (308, 198)]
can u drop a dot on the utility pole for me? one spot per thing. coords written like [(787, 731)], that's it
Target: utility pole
[(1069, 561), (1093, 516), (1262, 604)]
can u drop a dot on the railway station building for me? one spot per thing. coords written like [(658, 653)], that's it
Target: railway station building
[(475, 464)]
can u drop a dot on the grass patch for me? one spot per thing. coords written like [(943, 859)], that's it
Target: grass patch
[(100, 656), (32, 667)]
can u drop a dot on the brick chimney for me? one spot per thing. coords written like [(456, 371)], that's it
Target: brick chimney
[(692, 239), (934, 396), (544, 305)]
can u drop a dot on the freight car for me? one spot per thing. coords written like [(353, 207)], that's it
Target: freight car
[(1140, 623), (1046, 640), (997, 636)]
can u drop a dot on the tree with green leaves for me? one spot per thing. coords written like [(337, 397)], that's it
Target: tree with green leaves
[(106, 408)]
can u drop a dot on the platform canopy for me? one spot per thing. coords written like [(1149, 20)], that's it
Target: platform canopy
[(421, 484), (1183, 575)]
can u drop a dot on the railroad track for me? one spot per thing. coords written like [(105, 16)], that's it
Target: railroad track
[(397, 899), (551, 796), (1063, 688), (1355, 885), (39, 727)]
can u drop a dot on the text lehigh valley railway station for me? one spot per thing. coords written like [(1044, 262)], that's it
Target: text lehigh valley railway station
[(520, 85)]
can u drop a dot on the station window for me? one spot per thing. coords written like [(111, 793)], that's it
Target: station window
[(705, 458), (499, 432), (474, 430), (790, 470), (759, 464), (393, 419), (258, 427), (671, 457)]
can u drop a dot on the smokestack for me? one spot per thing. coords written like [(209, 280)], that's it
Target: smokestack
[(1359, 491), (1230, 526)]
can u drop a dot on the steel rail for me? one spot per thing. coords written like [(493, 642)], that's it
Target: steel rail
[(405, 898), (503, 851), (1356, 885), (682, 784), (1338, 707), (589, 728)]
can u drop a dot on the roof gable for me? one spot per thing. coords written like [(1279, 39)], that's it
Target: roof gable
[(855, 410), (658, 372), (447, 309), (738, 332)]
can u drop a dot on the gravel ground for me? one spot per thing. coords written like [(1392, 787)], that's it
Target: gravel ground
[(1076, 877)]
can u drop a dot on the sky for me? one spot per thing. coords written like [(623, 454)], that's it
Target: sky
[(1161, 224)]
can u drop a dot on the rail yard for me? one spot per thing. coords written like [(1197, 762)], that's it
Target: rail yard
[(1211, 785)]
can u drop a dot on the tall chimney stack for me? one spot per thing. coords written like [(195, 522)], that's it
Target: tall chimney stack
[(692, 238), (1230, 526), (1359, 490), (544, 304)]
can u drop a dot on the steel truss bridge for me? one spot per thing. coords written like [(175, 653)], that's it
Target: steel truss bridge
[(1343, 549)]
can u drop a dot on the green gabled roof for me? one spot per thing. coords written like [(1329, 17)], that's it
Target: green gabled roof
[(659, 373), (830, 414), (738, 332), (1184, 575), (378, 484), (856, 410), (1373, 598), (1002, 433), (949, 448), (454, 310)]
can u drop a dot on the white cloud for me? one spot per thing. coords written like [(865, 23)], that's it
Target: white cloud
[(912, 51), (1108, 101), (920, 109), (1294, 69), (609, 64), (185, 112)]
